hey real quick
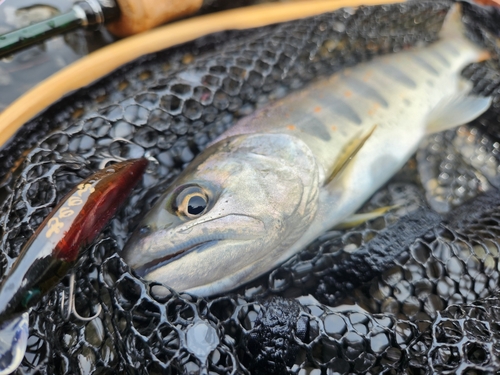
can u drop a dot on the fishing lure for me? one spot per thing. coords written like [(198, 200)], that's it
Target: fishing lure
[(54, 248), (71, 226)]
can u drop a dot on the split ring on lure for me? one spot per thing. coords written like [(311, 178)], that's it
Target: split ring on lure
[(71, 226)]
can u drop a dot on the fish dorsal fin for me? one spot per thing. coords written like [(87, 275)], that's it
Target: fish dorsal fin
[(348, 154), (456, 110)]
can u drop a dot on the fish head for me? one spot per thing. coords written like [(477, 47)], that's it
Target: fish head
[(234, 207)]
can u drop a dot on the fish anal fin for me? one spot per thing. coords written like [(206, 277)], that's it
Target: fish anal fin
[(357, 219), (348, 154), (457, 110)]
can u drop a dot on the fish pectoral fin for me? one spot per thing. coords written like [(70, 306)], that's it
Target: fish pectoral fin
[(357, 219), (456, 110), (348, 154)]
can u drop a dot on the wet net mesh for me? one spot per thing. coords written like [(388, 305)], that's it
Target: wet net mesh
[(424, 276)]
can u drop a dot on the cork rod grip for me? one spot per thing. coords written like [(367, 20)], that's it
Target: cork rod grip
[(141, 15)]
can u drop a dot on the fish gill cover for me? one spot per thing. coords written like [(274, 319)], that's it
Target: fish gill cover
[(427, 282)]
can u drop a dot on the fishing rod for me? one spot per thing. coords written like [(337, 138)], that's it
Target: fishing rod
[(122, 18)]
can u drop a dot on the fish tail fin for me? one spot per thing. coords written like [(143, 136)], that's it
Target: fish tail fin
[(461, 107), (454, 29)]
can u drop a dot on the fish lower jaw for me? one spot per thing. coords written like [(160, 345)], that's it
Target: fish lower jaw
[(157, 263)]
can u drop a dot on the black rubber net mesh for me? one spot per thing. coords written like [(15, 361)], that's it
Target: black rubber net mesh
[(413, 291)]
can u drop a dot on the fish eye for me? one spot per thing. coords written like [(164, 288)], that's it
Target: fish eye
[(191, 201), (29, 295), (144, 231)]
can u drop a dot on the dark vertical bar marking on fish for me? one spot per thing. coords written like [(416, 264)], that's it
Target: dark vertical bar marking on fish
[(451, 48), (367, 91), (426, 65), (441, 58), (398, 75), (316, 128), (341, 108)]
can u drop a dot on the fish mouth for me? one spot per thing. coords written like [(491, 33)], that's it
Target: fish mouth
[(155, 264)]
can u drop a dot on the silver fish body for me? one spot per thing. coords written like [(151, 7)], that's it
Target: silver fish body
[(279, 178)]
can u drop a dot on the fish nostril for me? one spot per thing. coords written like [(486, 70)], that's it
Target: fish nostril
[(145, 230)]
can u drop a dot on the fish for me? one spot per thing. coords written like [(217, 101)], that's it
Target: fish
[(276, 180), (59, 240)]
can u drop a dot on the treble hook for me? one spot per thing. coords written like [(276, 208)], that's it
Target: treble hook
[(71, 303)]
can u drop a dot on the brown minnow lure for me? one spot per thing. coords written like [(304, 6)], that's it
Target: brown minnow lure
[(71, 226)]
